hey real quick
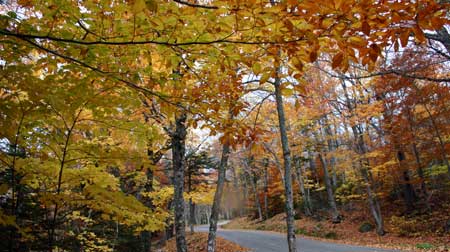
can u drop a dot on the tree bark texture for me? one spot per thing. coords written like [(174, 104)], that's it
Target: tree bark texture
[(178, 153), (287, 167), (217, 198)]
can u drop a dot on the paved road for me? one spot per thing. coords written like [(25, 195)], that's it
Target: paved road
[(261, 241)]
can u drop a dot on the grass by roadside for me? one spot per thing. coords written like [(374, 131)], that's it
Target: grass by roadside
[(197, 242), (346, 232)]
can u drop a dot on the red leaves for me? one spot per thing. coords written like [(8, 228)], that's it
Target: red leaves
[(365, 28)]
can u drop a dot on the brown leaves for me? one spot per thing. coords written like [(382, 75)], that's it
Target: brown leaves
[(313, 56), (337, 60), (374, 52), (404, 36), (365, 28), (197, 242)]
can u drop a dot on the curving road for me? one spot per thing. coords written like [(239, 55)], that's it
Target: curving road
[(260, 241)]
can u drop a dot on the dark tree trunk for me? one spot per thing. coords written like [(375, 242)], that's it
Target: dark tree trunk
[(191, 215), (442, 36), (154, 158), (287, 166), (53, 224), (217, 198), (423, 186), (418, 161), (178, 153), (191, 204), (408, 189)]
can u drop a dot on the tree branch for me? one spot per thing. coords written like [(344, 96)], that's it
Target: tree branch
[(143, 42), (128, 83), (195, 5)]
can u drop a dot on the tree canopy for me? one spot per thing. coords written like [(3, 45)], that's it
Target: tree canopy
[(95, 93)]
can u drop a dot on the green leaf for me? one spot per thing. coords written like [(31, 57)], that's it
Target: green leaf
[(265, 77), (151, 5), (256, 68), (139, 6)]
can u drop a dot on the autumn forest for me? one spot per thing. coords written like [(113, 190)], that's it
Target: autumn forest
[(128, 125)]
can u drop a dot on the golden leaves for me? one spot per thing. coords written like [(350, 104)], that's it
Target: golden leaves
[(138, 6), (297, 63), (256, 68), (142, 5), (357, 42), (338, 4), (264, 77)]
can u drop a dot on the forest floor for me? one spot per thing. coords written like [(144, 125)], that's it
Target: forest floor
[(197, 242), (347, 232)]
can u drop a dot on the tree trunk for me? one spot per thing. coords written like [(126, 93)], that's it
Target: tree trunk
[(191, 204), (255, 193), (154, 158), (408, 189), (313, 168), (168, 232), (423, 186), (331, 143), (361, 150), (287, 166), (191, 215), (442, 36), (335, 216), (418, 161), (236, 193), (373, 200), (65, 150), (218, 198), (266, 191), (301, 184), (178, 153)]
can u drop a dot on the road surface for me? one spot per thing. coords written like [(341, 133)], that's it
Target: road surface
[(260, 241)]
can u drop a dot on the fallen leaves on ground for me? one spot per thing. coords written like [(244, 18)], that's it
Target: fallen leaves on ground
[(345, 232), (197, 242)]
